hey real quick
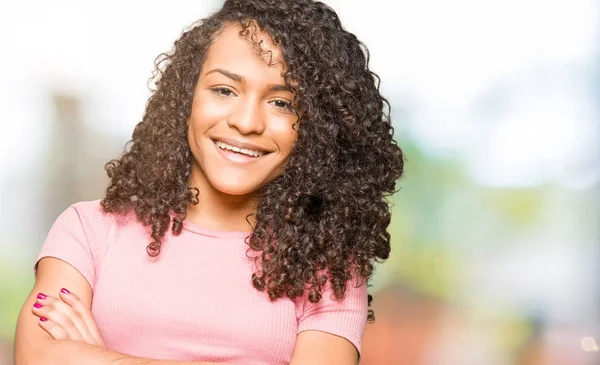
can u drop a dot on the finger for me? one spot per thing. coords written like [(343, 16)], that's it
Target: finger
[(67, 317), (49, 311), (56, 331), (86, 314)]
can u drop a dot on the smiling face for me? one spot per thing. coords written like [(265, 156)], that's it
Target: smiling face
[(240, 129)]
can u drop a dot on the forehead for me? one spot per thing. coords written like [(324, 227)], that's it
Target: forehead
[(240, 47)]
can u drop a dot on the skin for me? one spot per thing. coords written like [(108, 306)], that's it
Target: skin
[(236, 98)]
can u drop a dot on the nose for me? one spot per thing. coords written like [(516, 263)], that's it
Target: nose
[(247, 117)]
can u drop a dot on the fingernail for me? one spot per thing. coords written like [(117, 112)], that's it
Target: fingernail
[(65, 291), (43, 319), (38, 305), (41, 296)]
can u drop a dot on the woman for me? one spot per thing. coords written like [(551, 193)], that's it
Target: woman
[(242, 222)]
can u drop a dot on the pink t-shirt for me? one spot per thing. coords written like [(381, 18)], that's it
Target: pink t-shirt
[(195, 301)]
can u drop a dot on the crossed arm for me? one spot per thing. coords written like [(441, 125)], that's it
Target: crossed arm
[(45, 342)]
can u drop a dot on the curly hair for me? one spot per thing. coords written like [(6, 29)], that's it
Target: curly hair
[(325, 218)]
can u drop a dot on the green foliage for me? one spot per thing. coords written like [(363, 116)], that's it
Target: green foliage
[(15, 285)]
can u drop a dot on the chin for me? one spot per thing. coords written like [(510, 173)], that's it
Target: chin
[(238, 188)]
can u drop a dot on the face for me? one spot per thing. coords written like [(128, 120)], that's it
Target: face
[(240, 130)]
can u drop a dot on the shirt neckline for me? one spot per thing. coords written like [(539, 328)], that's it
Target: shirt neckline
[(192, 227)]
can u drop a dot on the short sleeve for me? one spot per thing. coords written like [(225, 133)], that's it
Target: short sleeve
[(346, 318), (67, 241)]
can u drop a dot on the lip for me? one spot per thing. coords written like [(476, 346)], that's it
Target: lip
[(246, 145)]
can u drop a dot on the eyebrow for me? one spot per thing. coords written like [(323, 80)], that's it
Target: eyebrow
[(239, 78)]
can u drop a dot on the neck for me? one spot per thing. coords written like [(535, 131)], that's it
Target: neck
[(217, 210)]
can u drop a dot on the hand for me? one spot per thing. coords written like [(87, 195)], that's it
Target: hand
[(67, 318)]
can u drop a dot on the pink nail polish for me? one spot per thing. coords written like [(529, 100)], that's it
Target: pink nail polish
[(43, 319), (38, 305), (65, 291), (41, 296)]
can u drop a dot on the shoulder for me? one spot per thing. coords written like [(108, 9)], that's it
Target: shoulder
[(82, 235), (345, 317), (91, 224), (90, 211), (93, 217), (355, 298)]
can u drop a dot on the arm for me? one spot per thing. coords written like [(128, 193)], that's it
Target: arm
[(35, 346), (321, 348), (330, 331), (68, 352), (312, 347)]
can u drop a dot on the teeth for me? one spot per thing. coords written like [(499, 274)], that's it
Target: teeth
[(245, 151)]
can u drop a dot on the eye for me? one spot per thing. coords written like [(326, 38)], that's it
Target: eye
[(282, 104), (222, 91)]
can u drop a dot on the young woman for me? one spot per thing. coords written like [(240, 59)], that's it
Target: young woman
[(243, 220)]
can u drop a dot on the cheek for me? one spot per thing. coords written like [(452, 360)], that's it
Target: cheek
[(285, 135), (206, 113)]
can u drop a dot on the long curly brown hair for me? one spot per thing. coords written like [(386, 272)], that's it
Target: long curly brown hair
[(325, 218)]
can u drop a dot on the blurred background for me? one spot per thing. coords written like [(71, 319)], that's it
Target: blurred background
[(496, 104)]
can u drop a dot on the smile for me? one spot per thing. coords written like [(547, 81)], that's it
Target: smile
[(244, 151), (238, 154)]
